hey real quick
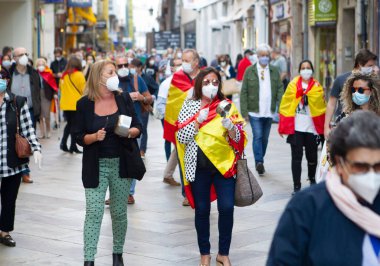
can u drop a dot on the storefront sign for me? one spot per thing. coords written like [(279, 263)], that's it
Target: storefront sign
[(190, 40), (322, 12), (79, 3), (280, 10), (166, 39), (53, 1)]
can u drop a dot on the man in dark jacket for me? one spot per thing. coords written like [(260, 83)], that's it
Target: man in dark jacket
[(25, 82), (58, 65)]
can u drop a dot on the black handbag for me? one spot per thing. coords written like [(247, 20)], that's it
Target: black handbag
[(136, 167)]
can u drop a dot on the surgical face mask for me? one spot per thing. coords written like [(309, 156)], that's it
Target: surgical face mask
[(151, 62), (187, 68), (90, 61), (179, 55), (41, 68), (7, 63), (251, 58), (210, 91), (58, 58), (83, 63), (130, 59), (112, 83), (23, 60), (306, 73), (264, 60), (223, 64), (3, 85), (365, 185), (133, 71), (360, 98), (123, 72), (366, 70)]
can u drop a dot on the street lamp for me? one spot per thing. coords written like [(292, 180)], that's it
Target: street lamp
[(151, 11)]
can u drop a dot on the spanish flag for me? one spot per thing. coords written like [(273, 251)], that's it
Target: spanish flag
[(293, 96), (179, 87), (215, 143)]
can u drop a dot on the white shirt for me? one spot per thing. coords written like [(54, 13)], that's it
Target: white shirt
[(265, 93), (303, 120), (164, 87), (369, 256)]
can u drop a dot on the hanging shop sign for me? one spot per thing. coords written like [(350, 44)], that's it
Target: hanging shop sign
[(279, 10), (322, 12), (166, 39), (79, 3), (53, 1)]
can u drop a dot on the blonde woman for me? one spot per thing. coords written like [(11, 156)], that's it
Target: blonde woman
[(107, 160), (48, 93)]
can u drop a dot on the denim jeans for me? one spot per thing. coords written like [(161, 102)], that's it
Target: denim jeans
[(260, 130), (144, 136), (225, 189), (168, 149)]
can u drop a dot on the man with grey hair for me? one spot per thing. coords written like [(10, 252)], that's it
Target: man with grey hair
[(25, 81), (279, 61), (261, 92)]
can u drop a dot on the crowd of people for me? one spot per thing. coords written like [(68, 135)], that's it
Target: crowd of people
[(97, 93)]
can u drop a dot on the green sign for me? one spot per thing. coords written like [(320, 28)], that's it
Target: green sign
[(325, 10)]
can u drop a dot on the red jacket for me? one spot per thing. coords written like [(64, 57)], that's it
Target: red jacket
[(244, 63)]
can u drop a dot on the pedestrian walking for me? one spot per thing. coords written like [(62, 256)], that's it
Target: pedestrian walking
[(181, 87), (279, 61), (244, 64), (107, 161), (90, 60), (261, 92), (365, 62), (14, 113), (302, 114), (49, 92), (58, 65), (72, 86), (25, 82), (208, 156), (344, 209)]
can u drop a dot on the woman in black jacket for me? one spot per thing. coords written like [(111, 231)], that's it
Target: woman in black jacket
[(108, 159)]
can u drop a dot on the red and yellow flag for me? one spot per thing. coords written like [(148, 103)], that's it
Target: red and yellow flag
[(179, 87), (215, 143), (291, 99)]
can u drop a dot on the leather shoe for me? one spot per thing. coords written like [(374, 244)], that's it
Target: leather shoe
[(7, 240), (27, 179), (170, 181), (117, 259), (89, 263), (75, 150), (131, 199), (260, 168), (63, 147), (185, 202)]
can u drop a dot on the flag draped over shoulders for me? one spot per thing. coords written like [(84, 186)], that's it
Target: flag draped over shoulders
[(178, 92)]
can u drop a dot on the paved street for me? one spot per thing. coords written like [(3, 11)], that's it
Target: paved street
[(50, 213)]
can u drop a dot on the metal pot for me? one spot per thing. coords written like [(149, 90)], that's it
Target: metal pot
[(223, 108)]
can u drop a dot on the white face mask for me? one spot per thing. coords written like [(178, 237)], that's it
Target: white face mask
[(123, 72), (187, 68), (58, 58), (366, 70), (23, 60), (210, 91), (7, 63), (151, 62), (84, 63), (306, 73), (113, 83), (365, 185), (179, 55), (130, 59), (41, 68)]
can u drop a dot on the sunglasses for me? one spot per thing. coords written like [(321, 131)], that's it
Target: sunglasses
[(361, 90), (21, 55), (359, 167), (122, 65), (214, 82)]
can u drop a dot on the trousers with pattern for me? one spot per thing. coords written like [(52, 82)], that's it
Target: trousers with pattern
[(119, 191)]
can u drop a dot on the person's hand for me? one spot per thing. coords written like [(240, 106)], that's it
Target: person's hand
[(59, 74), (227, 123), (222, 73), (136, 96), (38, 158), (55, 96), (100, 135), (133, 132), (203, 114)]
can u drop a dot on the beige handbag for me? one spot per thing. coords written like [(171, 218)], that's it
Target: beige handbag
[(230, 86), (247, 189)]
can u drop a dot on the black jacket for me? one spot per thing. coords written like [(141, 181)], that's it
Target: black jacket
[(58, 67), (314, 232), (35, 86), (129, 151)]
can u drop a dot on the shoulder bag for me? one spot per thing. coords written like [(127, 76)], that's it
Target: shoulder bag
[(145, 107), (22, 146)]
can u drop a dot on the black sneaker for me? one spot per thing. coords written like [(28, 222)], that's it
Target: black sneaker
[(7, 240), (296, 189), (312, 181), (260, 168)]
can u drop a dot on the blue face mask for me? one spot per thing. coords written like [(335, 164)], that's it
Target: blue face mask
[(264, 60), (359, 98), (132, 71), (3, 85)]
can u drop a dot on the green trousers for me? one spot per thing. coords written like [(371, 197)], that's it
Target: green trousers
[(119, 191)]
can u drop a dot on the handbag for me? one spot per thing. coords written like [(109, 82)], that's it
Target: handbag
[(137, 169), (145, 107), (247, 189), (230, 87), (22, 146)]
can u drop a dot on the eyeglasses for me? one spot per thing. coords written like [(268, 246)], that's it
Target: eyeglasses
[(21, 55), (122, 65), (360, 167), (361, 90), (214, 82)]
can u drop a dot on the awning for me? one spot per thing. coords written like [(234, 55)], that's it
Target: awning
[(239, 13)]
